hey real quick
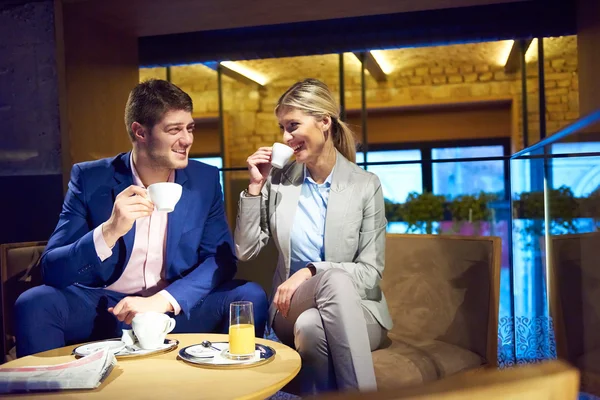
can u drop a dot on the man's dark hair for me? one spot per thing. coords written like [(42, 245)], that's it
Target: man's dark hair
[(150, 100)]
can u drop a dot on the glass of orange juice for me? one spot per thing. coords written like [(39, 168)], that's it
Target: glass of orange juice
[(241, 330)]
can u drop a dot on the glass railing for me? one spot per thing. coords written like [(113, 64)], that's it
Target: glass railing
[(555, 200)]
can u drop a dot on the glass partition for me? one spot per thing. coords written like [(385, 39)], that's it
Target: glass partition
[(556, 247)]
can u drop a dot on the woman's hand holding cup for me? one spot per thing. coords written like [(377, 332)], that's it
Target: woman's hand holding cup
[(260, 163), (259, 166)]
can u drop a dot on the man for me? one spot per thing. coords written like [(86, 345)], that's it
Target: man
[(113, 255)]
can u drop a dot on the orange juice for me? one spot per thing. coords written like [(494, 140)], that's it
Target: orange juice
[(241, 339)]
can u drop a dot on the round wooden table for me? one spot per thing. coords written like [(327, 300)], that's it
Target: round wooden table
[(165, 376)]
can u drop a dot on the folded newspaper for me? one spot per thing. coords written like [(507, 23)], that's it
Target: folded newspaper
[(85, 373)]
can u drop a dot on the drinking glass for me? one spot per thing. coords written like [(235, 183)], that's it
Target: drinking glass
[(241, 330)]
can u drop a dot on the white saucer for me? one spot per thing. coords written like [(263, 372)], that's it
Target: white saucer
[(121, 350), (204, 352), (111, 345)]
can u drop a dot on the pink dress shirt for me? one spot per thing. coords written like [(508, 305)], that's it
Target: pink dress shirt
[(144, 273)]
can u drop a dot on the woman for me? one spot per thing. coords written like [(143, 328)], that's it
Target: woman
[(327, 218)]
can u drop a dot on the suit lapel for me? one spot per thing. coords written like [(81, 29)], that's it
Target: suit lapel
[(124, 179), (177, 216), (288, 195), (339, 198)]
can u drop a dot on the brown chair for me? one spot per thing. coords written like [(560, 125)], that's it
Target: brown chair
[(442, 292), (19, 266), (574, 292), (553, 380)]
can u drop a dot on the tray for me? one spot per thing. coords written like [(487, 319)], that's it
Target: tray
[(199, 355)]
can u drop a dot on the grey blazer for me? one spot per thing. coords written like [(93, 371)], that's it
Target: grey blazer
[(354, 228)]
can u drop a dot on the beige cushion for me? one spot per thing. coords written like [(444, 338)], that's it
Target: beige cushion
[(20, 272), (407, 362), (577, 276), (21, 259), (11, 354), (589, 361), (438, 288)]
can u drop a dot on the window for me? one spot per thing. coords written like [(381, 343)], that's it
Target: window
[(397, 181), (581, 174), (215, 162), (451, 179), (454, 179)]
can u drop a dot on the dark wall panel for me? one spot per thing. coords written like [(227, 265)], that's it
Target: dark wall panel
[(30, 207)]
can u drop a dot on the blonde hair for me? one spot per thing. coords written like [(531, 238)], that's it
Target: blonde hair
[(314, 98)]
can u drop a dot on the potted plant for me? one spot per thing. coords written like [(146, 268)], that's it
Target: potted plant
[(590, 207), (392, 211), (471, 210), (420, 211), (563, 208)]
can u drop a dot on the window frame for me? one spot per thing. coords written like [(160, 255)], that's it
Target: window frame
[(427, 161)]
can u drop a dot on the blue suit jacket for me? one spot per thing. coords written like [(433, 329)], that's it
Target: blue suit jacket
[(199, 250)]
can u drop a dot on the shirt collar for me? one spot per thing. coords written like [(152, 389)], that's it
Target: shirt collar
[(309, 179), (136, 178)]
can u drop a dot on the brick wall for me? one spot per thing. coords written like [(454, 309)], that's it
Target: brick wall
[(561, 85), (447, 74)]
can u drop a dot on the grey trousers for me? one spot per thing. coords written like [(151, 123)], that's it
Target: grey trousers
[(332, 332)]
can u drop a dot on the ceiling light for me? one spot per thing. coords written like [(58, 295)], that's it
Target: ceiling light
[(381, 59), (505, 49), (247, 72), (532, 52)]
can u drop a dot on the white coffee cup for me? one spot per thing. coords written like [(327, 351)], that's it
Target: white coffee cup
[(280, 155), (165, 195), (151, 328)]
